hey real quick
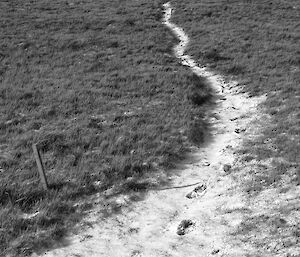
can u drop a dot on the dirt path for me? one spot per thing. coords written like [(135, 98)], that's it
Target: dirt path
[(182, 220)]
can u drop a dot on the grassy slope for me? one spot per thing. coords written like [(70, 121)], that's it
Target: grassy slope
[(94, 84), (257, 42)]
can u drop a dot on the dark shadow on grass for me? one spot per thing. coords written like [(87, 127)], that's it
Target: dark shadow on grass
[(136, 188), (58, 185), (214, 55)]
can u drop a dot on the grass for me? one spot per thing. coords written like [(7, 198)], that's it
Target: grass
[(257, 43), (95, 84)]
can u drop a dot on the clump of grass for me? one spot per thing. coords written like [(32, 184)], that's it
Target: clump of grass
[(197, 131), (236, 70), (213, 55), (199, 90)]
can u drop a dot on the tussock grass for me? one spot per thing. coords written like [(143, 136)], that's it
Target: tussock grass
[(95, 84)]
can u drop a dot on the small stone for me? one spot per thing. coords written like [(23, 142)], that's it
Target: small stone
[(183, 226), (197, 191), (206, 163), (239, 130), (215, 251), (229, 147), (191, 195), (200, 188), (227, 167)]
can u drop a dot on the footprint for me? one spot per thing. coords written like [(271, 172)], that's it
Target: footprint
[(198, 191), (184, 226)]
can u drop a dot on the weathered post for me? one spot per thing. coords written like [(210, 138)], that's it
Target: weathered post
[(40, 166), (9, 197)]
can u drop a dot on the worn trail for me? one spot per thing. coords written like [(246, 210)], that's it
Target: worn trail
[(182, 220)]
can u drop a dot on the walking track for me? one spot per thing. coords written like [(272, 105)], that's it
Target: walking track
[(208, 215)]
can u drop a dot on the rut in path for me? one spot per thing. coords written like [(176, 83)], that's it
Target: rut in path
[(182, 220)]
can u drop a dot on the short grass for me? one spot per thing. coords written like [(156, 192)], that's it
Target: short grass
[(257, 43), (95, 85)]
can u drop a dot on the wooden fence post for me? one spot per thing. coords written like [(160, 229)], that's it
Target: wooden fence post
[(40, 166), (9, 197)]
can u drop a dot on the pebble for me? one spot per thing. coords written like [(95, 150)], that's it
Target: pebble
[(197, 191), (239, 130), (227, 167), (183, 226), (215, 251), (206, 163)]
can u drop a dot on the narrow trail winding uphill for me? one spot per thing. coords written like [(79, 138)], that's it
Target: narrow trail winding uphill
[(182, 220)]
